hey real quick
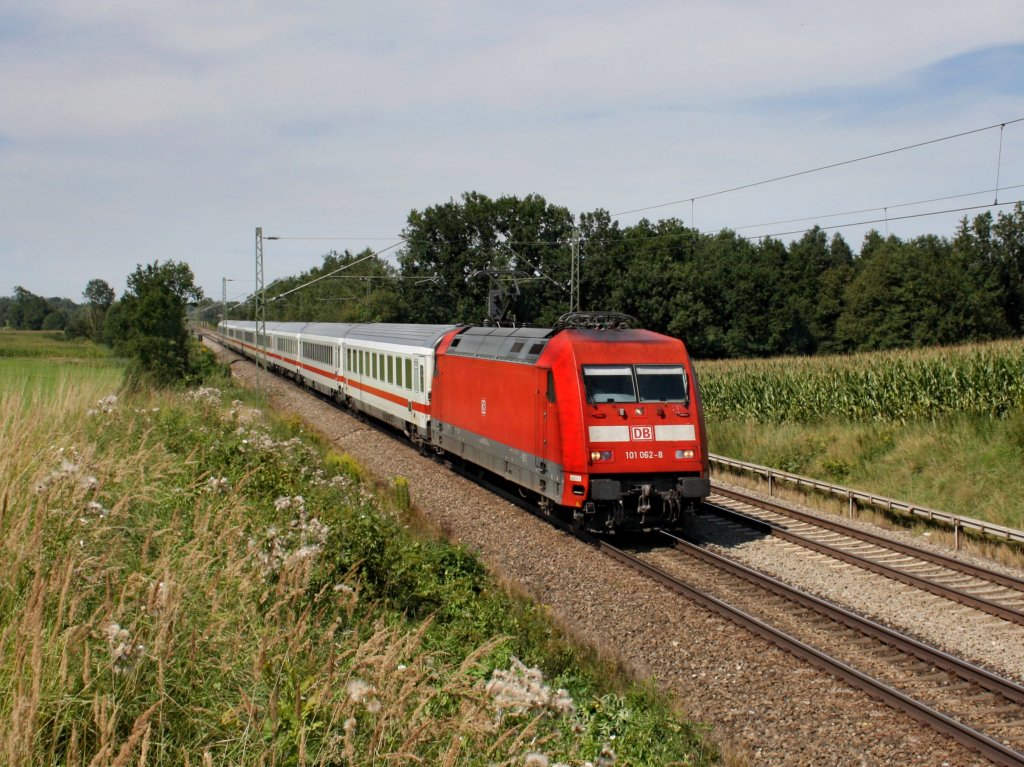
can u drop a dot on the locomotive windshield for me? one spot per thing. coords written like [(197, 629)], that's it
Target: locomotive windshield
[(640, 383), (661, 383), (610, 384)]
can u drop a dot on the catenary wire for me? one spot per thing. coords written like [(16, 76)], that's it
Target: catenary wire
[(820, 168), (886, 219), (879, 207)]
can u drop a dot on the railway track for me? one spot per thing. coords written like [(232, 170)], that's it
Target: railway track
[(982, 589), (975, 707)]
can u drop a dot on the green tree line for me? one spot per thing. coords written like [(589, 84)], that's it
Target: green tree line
[(727, 296)]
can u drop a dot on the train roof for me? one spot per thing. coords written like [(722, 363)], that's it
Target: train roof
[(327, 329), (402, 334), (287, 327), (425, 336), (495, 343)]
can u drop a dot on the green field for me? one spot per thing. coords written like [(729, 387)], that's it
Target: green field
[(978, 379), (939, 427), (44, 364), (49, 344)]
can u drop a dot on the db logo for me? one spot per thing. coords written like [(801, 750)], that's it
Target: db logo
[(641, 433)]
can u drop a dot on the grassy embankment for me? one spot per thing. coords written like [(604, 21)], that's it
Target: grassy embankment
[(184, 581), (941, 427)]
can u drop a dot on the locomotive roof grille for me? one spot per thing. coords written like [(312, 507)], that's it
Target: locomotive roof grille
[(523, 345)]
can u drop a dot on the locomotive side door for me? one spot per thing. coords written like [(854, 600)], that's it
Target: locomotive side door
[(546, 418)]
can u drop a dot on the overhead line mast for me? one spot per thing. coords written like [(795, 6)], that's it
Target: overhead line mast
[(259, 308)]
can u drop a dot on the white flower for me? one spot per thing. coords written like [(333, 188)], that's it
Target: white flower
[(218, 484), (358, 690), (124, 653), (97, 508), (522, 690)]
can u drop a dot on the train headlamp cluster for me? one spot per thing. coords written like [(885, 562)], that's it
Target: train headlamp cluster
[(684, 453), (600, 455)]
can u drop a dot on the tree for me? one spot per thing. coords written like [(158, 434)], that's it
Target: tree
[(148, 323), (28, 311), (817, 271), (451, 248), (602, 253), (1009, 231), (99, 296), (908, 294), (345, 288)]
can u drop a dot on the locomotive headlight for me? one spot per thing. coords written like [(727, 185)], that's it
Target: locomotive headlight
[(684, 454), (600, 455)]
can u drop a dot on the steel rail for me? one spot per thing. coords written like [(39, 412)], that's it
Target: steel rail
[(962, 733), (918, 553), (946, 592)]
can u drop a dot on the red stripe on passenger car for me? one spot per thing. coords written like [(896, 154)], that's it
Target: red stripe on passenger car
[(417, 407)]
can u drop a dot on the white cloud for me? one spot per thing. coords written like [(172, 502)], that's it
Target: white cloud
[(131, 132)]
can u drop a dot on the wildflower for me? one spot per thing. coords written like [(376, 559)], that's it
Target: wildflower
[(218, 484), (106, 405), (124, 652), (535, 759), (521, 690), (97, 508), (303, 539), (269, 553), (301, 554), (358, 690), (208, 394)]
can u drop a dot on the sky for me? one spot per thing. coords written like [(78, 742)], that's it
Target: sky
[(141, 131)]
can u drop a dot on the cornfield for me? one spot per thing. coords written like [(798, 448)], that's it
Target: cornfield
[(980, 380)]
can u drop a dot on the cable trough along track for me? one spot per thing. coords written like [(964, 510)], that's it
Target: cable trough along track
[(976, 587), (978, 709)]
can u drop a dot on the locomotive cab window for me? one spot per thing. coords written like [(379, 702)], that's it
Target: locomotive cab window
[(609, 383), (662, 383)]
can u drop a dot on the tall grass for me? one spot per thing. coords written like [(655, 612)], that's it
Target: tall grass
[(185, 583), (984, 380)]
